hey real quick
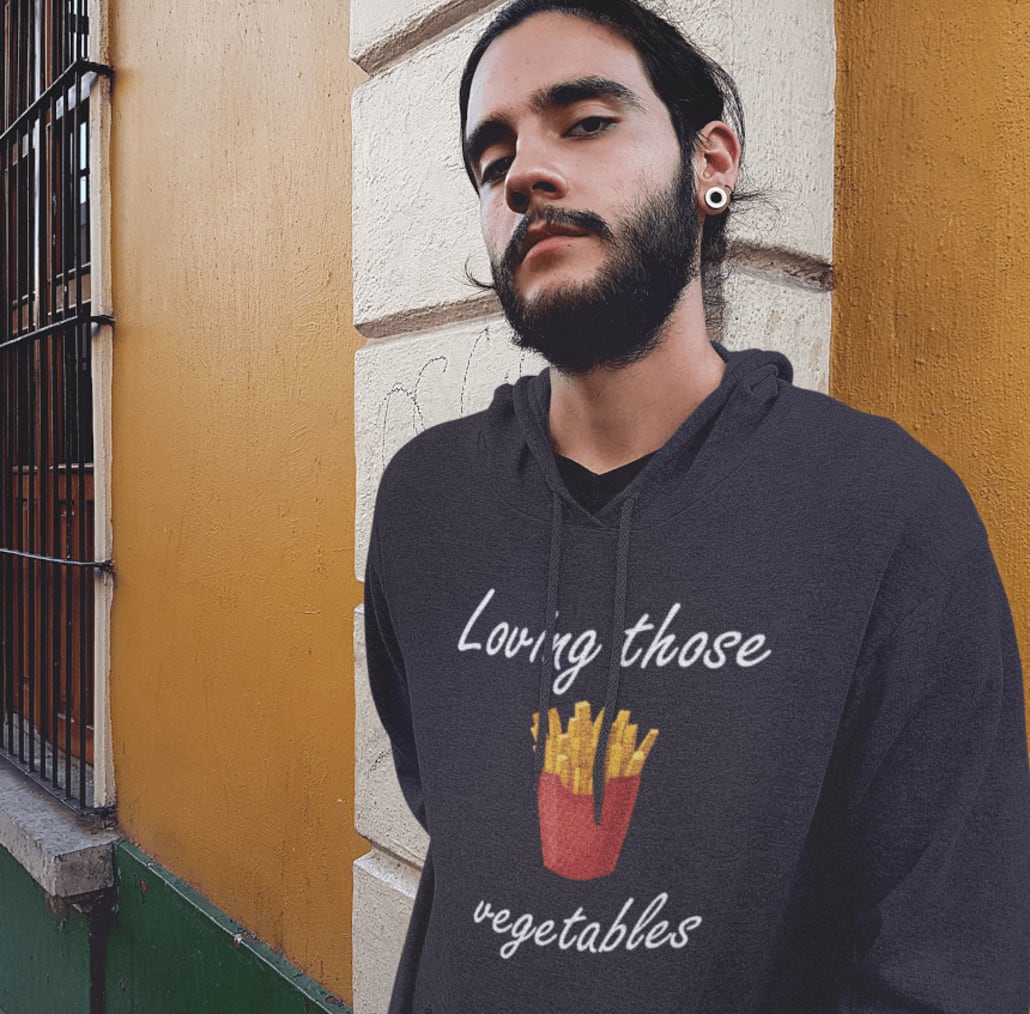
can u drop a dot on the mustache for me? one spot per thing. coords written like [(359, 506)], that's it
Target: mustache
[(585, 221)]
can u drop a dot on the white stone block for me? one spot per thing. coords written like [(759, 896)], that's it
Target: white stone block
[(384, 892), (63, 854), (380, 811), (415, 214), (766, 313), (404, 385), (782, 54)]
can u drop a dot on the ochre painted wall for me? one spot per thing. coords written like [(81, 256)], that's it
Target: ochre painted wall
[(931, 321), (232, 669)]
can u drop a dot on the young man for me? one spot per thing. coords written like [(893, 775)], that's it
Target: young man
[(704, 686)]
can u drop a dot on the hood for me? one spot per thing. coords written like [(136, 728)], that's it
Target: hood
[(699, 454)]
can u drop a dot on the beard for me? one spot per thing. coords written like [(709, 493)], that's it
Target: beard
[(616, 318)]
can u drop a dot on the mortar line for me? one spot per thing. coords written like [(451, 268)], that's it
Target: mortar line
[(775, 263), (418, 33)]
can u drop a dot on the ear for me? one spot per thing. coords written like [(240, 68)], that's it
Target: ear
[(716, 162)]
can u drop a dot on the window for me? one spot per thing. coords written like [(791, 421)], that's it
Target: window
[(47, 568)]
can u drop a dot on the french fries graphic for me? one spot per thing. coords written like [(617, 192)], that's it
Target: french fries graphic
[(573, 845)]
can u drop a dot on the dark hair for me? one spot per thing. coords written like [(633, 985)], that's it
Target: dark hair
[(694, 88)]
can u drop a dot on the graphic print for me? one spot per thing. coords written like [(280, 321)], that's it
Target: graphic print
[(573, 845)]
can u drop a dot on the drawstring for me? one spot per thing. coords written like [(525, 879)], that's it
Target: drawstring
[(547, 655), (611, 697)]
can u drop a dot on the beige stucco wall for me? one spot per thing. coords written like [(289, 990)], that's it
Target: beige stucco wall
[(437, 347), (932, 307), (233, 462)]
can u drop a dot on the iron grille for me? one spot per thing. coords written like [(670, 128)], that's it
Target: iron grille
[(47, 565)]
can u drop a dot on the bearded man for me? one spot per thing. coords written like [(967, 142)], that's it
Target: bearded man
[(722, 711)]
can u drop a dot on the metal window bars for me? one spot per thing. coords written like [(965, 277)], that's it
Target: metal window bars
[(47, 564)]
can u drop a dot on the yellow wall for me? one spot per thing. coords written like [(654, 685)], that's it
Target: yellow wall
[(931, 322), (232, 702)]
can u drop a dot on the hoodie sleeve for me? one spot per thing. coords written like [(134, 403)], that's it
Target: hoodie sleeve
[(931, 802), (389, 684)]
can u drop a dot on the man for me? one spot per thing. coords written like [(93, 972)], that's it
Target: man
[(704, 686)]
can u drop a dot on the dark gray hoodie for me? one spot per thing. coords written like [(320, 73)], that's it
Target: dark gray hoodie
[(749, 739)]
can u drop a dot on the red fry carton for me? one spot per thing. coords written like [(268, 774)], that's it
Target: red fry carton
[(574, 846)]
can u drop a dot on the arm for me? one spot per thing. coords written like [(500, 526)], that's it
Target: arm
[(389, 684), (928, 804)]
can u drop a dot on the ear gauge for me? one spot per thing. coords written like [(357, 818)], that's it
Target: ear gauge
[(716, 198)]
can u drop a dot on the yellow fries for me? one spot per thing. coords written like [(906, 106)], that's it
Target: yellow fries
[(569, 754)]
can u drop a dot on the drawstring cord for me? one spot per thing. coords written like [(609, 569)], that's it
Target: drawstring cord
[(547, 655), (611, 697)]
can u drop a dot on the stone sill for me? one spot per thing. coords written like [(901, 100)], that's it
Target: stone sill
[(59, 850)]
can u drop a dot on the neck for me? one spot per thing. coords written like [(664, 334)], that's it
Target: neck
[(607, 418)]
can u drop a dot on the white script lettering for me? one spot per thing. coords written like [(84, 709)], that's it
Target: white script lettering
[(575, 936), (572, 652)]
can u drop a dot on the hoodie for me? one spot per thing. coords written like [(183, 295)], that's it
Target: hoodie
[(748, 739)]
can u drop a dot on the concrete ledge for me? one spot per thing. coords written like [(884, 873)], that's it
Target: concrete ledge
[(59, 851)]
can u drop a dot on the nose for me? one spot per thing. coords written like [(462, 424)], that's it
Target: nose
[(532, 179)]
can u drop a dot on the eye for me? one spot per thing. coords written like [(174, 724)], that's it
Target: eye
[(496, 169), (591, 126)]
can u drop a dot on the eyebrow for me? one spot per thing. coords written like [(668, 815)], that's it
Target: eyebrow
[(555, 96)]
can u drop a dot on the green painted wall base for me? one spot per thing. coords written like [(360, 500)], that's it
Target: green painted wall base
[(172, 952), (152, 945), (44, 948)]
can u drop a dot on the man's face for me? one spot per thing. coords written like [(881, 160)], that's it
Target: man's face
[(589, 220)]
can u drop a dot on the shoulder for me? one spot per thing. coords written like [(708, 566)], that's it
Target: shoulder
[(450, 439), (440, 458), (877, 461), (886, 486)]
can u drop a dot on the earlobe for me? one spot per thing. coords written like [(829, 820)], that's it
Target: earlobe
[(716, 198)]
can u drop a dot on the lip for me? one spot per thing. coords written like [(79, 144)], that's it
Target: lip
[(548, 243), (542, 237)]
